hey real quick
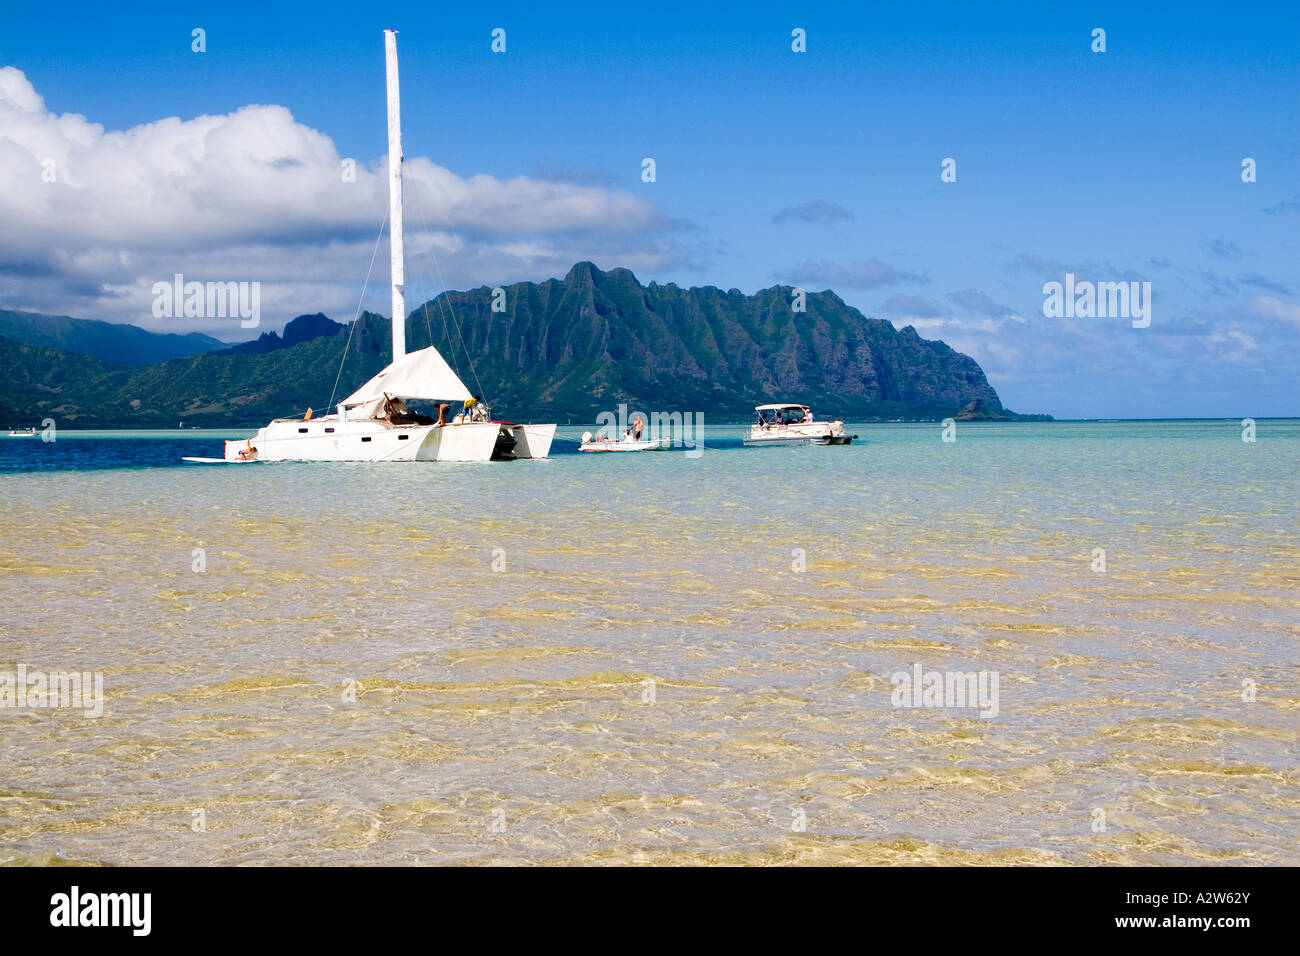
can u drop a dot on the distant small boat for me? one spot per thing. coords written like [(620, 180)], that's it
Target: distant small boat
[(794, 425), (592, 442), (22, 433)]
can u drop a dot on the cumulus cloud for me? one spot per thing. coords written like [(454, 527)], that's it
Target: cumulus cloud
[(1233, 346), (861, 275), (947, 326), (563, 172), (817, 211), (94, 216), (1275, 310)]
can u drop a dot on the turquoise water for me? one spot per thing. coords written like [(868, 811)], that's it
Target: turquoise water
[(603, 658)]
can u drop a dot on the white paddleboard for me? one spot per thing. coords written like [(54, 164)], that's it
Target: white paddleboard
[(214, 461)]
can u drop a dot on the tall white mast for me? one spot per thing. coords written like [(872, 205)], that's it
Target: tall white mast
[(395, 197)]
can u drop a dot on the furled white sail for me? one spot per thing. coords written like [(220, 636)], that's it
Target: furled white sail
[(423, 373)]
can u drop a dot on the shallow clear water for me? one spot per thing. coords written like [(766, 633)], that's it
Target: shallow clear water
[(505, 715)]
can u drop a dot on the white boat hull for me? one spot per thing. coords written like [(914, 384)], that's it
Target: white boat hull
[(652, 444), (325, 439), (532, 441), (802, 433)]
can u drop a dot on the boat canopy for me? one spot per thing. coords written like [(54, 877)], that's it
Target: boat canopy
[(772, 408), (423, 373)]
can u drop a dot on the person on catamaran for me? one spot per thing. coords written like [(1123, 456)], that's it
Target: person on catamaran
[(636, 428), (396, 412)]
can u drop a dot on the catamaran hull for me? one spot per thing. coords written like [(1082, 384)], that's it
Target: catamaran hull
[(367, 441), (532, 441)]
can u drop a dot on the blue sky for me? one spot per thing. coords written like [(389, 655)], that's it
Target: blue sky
[(819, 169)]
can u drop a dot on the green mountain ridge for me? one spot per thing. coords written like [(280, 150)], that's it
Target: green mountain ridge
[(563, 350)]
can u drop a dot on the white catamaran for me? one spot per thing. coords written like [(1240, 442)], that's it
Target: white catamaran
[(374, 422)]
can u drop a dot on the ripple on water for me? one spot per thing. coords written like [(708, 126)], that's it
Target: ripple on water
[(649, 678)]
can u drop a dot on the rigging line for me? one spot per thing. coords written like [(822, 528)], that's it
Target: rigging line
[(424, 306), (450, 308), (353, 327), (420, 289), (428, 326), (442, 312), (446, 332)]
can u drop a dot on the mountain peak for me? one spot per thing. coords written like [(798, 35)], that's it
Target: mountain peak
[(584, 273), (558, 352), (306, 327), (609, 339)]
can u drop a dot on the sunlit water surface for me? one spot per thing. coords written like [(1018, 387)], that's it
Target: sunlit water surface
[(613, 658)]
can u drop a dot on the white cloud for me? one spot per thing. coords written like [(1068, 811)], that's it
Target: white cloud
[(1233, 346), (1267, 307), (255, 195), (947, 325)]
